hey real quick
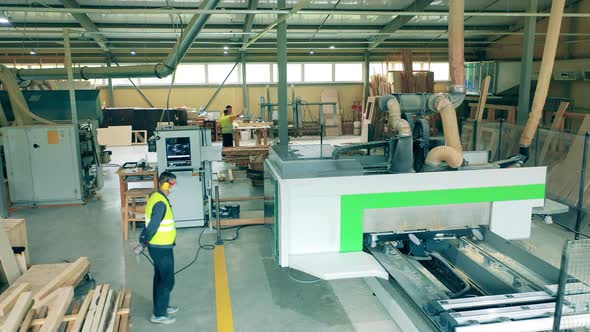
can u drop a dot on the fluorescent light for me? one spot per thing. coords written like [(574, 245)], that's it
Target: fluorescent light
[(225, 52), (133, 52), (332, 47), (225, 48), (4, 19), (311, 52), (32, 52)]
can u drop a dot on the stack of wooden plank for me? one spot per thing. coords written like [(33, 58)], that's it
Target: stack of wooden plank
[(16, 231), (100, 310), (372, 118), (380, 86), (422, 81), (243, 155)]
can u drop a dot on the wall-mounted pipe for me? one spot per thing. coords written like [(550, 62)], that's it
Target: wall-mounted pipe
[(549, 51), (160, 70), (20, 109)]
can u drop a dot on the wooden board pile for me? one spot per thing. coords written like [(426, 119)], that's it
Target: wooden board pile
[(372, 118), (380, 86), (243, 155), (41, 300)]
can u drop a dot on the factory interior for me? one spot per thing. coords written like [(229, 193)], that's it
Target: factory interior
[(294, 165)]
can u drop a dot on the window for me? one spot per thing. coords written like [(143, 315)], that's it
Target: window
[(257, 73), (218, 72), (348, 72), (377, 68), (153, 80), (317, 72), (441, 71), (122, 81), (293, 73), (190, 74)]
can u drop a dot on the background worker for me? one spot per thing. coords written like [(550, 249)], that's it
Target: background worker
[(159, 236), (227, 129)]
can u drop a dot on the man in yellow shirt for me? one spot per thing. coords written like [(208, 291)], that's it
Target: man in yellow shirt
[(226, 123)]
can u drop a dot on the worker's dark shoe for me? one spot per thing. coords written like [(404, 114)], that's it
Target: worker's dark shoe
[(172, 310), (162, 320)]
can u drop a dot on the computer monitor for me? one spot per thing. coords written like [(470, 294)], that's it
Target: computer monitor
[(178, 151)]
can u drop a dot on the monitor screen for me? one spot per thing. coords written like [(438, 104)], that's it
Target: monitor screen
[(178, 149)]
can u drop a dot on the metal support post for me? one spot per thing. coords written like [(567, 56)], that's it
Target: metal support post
[(537, 140), (282, 75), (245, 96), (367, 78), (218, 217), (110, 86), (563, 276), (524, 93), (475, 125), (499, 156), (580, 213), (3, 193), (68, 66)]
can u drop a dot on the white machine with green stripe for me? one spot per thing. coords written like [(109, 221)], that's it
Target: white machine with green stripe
[(322, 220)]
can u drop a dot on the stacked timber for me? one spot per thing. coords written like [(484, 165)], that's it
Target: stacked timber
[(42, 299), (243, 155)]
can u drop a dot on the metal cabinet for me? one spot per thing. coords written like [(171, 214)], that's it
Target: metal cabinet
[(43, 164)]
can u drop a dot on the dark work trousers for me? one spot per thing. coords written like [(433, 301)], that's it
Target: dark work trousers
[(228, 140), (163, 278)]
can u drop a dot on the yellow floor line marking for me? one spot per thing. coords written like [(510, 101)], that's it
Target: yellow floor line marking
[(225, 319)]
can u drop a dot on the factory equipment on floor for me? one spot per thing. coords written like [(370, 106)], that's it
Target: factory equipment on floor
[(188, 153), (433, 229), (49, 160)]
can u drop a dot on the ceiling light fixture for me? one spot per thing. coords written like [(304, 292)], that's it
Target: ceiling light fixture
[(4, 19), (332, 47), (311, 52), (226, 48), (225, 52), (33, 52), (133, 52)]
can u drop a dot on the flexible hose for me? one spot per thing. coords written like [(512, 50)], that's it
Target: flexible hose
[(467, 287)]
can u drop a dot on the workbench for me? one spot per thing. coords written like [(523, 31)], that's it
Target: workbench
[(136, 174), (260, 130)]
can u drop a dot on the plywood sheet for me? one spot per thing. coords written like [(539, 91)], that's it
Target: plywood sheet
[(115, 136)]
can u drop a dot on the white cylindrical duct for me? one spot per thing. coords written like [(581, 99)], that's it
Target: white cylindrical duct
[(450, 125), (162, 69), (397, 124), (457, 45), (440, 154), (545, 72), (20, 109)]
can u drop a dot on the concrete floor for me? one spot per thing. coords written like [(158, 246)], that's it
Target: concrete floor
[(264, 297)]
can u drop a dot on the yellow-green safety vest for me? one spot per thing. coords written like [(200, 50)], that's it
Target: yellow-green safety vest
[(166, 234)]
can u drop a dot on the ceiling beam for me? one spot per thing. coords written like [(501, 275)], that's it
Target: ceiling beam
[(281, 19), (372, 12), (249, 21), (87, 24), (398, 22), (233, 26)]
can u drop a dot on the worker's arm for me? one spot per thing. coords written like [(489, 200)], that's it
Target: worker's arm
[(233, 117), (158, 213)]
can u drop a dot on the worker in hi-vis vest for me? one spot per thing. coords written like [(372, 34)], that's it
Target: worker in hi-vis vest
[(227, 128), (159, 236)]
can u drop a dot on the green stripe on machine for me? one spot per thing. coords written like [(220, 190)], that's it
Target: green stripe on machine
[(352, 206)]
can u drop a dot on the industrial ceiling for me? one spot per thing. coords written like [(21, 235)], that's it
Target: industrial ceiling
[(136, 31)]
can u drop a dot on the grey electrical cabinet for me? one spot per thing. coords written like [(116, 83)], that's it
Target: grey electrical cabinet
[(43, 164)]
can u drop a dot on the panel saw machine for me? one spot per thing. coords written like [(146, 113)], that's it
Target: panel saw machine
[(432, 229), (436, 244)]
